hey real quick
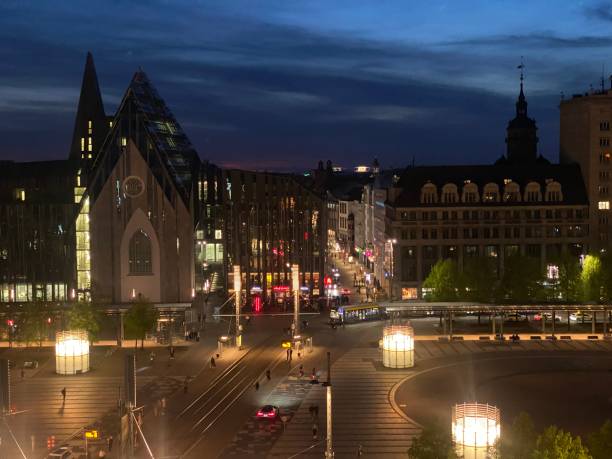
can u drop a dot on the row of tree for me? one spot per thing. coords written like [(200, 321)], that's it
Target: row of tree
[(35, 323), (521, 441), (567, 279)]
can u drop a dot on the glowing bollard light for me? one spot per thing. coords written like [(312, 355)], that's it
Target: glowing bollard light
[(71, 352), (398, 346), (476, 430)]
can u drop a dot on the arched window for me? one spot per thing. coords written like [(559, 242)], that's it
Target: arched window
[(490, 193), (512, 192), (429, 194), (449, 193), (470, 193), (553, 192), (532, 192), (140, 253)]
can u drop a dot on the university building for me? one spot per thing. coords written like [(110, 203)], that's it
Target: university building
[(522, 204), (135, 211)]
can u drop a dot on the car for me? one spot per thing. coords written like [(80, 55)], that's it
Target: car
[(63, 452), (267, 412), (580, 316), (516, 317), (547, 316)]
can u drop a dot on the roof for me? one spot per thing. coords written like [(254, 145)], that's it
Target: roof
[(172, 143), (568, 175), (37, 169)]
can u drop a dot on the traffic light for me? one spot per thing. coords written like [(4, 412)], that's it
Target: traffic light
[(328, 280), (10, 322)]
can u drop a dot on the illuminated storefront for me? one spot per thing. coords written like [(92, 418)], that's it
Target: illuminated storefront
[(398, 346), (71, 352), (475, 430)]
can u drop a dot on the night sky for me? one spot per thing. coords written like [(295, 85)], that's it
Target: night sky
[(280, 84)]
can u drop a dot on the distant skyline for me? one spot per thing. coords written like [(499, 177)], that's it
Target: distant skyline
[(280, 85)]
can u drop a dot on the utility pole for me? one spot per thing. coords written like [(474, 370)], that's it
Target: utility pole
[(295, 279), (238, 297), (329, 450)]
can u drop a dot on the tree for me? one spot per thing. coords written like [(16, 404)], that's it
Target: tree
[(600, 442), (554, 443), (444, 280), (568, 284), (591, 278), (479, 278), (32, 325), (519, 441), (522, 279), (84, 316), (433, 443), (140, 318)]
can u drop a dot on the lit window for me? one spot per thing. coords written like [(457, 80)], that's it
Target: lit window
[(123, 141), (89, 127), (218, 234), (82, 143), (89, 144), (110, 124), (140, 253), (20, 194), (604, 205), (89, 155)]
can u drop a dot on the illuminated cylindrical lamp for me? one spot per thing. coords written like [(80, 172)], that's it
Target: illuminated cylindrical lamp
[(398, 346), (476, 430), (71, 352)]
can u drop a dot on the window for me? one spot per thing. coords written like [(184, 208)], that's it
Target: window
[(449, 193), (604, 176), (604, 158), (82, 144), (89, 127), (20, 194), (89, 144), (429, 194), (604, 141), (470, 193), (553, 191), (512, 192), (604, 125), (123, 141), (490, 193), (532, 192), (140, 254), (603, 190), (603, 205)]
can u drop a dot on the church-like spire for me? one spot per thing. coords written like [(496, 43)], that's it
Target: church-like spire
[(91, 125), (522, 139)]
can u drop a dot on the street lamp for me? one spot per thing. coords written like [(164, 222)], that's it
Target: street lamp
[(391, 243), (475, 430)]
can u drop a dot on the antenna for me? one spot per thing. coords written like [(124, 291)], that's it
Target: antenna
[(522, 67), (603, 69)]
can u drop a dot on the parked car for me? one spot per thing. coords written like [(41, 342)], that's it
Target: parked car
[(581, 316), (547, 316), (516, 317), (63, 452)]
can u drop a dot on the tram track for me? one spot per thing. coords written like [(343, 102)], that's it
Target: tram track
[(204, 413)]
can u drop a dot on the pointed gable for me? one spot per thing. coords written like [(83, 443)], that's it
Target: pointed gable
[(91, 125), (144, 118)]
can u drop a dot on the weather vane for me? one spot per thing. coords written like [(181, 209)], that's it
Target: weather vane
[(522, 66)]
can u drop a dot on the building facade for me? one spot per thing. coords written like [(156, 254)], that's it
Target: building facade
[(585, 140)]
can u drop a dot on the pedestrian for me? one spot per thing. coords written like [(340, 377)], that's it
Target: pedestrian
[(212, 363), (156, 408), (268, 376), (110, 443), (63, 391), (287, 355), (359, 451), (315, 430), (314, 374), (198, 337), (152, 356), (256, 385), (22, 374), (186, 384), (290, 354), (101, 453)]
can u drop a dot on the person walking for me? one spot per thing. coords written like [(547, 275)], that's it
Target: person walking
[(212, 363), (256, 385), (288, 355), (359, 451), (186, 384), (315, 431), (63, 392), (22, 374), (110, 443), (268, 375)]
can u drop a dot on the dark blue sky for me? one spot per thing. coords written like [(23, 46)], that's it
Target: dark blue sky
[(280, 84)]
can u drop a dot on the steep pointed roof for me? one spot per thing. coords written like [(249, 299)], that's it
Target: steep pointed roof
[(90, 108), (171, 141), (143, 111)]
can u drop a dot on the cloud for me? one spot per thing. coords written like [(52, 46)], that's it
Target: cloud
[(600, 12)]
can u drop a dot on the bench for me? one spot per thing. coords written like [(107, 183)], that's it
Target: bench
[(551, 337), (457, 338), (535, 337), (443, 338), (592, 337), (566, 337), (484, 338)]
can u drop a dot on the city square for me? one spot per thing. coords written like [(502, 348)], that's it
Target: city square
[(305, 229)]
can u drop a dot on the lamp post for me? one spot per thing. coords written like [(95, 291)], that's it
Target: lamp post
[(391, 243), (329, 450), (295, 279), (238, 296)]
